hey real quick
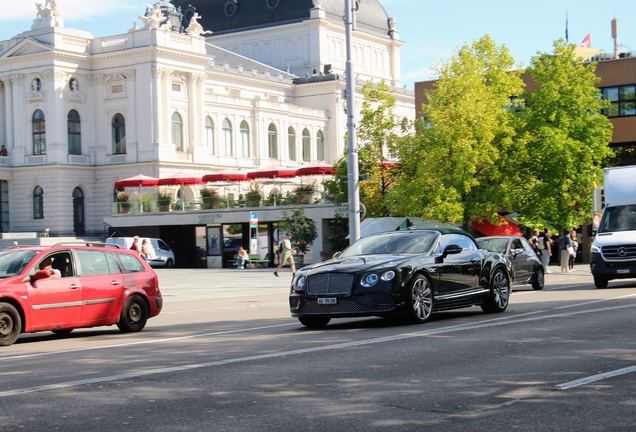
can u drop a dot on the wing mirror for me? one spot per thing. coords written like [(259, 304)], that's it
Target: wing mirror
[(516, 252), (448, 250)]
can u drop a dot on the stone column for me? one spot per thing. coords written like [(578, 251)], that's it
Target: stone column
[(8, 110)]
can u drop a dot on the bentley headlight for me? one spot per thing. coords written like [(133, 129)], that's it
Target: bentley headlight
[(369, 279), (387, 276), (300, 283)]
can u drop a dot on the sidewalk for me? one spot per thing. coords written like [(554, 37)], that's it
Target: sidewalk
[(579, 268)]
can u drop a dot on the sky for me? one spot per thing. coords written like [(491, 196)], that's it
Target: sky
[(431, 30)]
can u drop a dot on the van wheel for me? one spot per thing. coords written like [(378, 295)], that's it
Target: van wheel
[(169, 263), (600, 282), (134, 315), (10, 324)]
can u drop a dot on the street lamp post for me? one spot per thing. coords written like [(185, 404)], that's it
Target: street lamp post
[(353, 180)]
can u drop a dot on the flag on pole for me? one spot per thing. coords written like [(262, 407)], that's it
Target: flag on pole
[(587, 41), (566, 26)]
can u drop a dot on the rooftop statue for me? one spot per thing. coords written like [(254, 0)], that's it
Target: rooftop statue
[(48, 15), (153, 17), (194, 28)]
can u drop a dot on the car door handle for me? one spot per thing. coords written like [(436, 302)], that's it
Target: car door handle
[(74, 287), (115, 283)]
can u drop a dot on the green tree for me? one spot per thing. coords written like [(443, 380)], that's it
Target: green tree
[(456, 167), (378, 132), (303, 228), (564, 137)]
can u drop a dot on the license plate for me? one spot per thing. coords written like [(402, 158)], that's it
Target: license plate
[(622, 271), (328, 300)]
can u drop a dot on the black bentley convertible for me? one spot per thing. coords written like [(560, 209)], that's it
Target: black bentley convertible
[(409, 273)]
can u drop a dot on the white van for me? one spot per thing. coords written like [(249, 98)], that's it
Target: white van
[(160, 253)]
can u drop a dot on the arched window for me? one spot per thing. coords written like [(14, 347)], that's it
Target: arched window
[(306, 146), (74, 133), (119, 134), (39, 133), (320, 146), (177, 132), (227, 138), (38, 203), (272, 141), (245, 139), (291, 143), (209, 134)]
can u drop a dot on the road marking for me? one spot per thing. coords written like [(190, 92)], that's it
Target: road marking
[(344, 345), (594, 301), (147, 342), (594, 378)]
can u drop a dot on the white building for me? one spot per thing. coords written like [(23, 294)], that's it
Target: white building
[(78, 113)]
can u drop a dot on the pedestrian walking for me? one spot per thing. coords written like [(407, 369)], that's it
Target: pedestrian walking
[(287, 255), (545, 245), (144, 251), (135, 245), (575, 248)]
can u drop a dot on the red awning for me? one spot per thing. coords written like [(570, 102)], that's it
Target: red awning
[(507, 228), (138, 180)]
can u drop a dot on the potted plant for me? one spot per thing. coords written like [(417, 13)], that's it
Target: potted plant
[(210, 198), (146, 203), (164, 199), (305, 193), (253, 196), (304, 230), (123, 202)]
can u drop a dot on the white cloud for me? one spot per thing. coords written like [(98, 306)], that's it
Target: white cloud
[(74, 10)]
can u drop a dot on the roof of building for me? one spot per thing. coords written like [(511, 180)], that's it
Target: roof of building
[(228, 16)]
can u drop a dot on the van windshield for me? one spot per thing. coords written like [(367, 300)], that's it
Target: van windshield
[(618, 218)]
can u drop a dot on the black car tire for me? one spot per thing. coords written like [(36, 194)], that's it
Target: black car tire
[(420, 300), (499, 293), (10, 324), (538, 281), (134, 315), (313, 322), (600, 282), (169, 263)]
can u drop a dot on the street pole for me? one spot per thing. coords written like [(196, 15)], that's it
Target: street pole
[(353, 176)]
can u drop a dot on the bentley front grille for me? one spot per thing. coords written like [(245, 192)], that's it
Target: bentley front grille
[(330, 283)]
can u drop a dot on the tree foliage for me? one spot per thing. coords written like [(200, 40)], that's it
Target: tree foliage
[(303, 228), (565, 140), (456, 167), (377, 136)]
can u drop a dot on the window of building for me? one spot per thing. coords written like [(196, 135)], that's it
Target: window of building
[(38, 203), (272, 141), (176, 88), (245, 139), (622, 99), (39, 133), (177, 132), (4, 205), (306, 146), (291, 143), (74, 133), (227, 138), (119, 134), (209, 134), (320, 147)]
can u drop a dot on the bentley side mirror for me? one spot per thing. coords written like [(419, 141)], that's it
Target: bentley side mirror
[(448, 250)]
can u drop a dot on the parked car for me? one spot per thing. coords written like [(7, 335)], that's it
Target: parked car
[(160, 253), (526, 265), (408, 273), (67, 286)]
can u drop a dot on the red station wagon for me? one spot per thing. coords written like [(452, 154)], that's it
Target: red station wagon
[(67, 286)]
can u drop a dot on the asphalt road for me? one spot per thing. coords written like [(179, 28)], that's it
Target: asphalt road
[(225, 355)]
